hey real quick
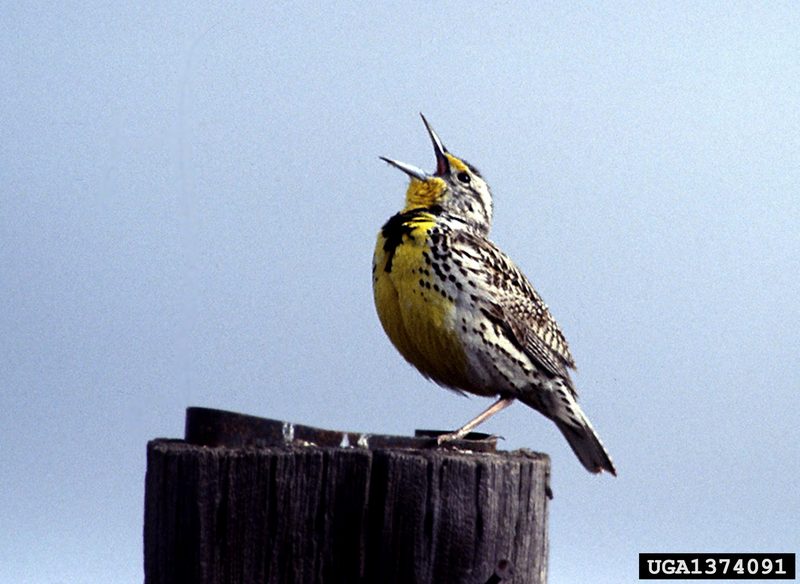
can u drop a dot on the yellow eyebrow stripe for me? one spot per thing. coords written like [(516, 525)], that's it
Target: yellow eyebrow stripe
[(456, 163)]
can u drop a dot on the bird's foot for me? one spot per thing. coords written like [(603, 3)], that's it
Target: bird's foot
[(459, 435), (451, 437)]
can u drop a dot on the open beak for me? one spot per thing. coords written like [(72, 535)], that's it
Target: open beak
[(442, 164)]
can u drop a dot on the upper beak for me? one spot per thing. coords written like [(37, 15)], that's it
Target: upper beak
[(442, 164)]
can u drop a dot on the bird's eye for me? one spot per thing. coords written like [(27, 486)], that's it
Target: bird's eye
[(463, 177)]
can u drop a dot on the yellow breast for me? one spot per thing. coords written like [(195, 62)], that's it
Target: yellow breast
[(419, 322)]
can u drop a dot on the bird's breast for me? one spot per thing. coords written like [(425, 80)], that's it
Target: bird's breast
[(416, 309)]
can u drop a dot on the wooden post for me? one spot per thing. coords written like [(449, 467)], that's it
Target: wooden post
[(274, 506)]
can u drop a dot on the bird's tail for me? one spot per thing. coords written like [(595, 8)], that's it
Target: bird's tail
[(564, 410), (587, 446)]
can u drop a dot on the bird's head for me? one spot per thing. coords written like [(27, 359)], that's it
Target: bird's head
[(456, 187)]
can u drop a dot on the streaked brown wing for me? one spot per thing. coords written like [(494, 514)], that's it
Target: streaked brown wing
[(511, 301)]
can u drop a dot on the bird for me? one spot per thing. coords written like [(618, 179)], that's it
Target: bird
[(460, 310)]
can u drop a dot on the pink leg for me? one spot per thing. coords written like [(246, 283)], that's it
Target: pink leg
[(497, 406)]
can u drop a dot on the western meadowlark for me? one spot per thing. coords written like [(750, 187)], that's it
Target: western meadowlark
[(460, 311)]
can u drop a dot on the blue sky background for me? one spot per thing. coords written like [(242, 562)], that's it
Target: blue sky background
[(189, 195)]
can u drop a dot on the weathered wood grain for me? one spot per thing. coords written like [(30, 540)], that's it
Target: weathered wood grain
[(218, 515)]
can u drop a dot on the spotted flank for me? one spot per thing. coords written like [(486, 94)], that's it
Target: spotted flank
[(459, 310)]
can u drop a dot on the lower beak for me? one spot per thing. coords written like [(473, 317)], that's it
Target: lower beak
[(409, 169)]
